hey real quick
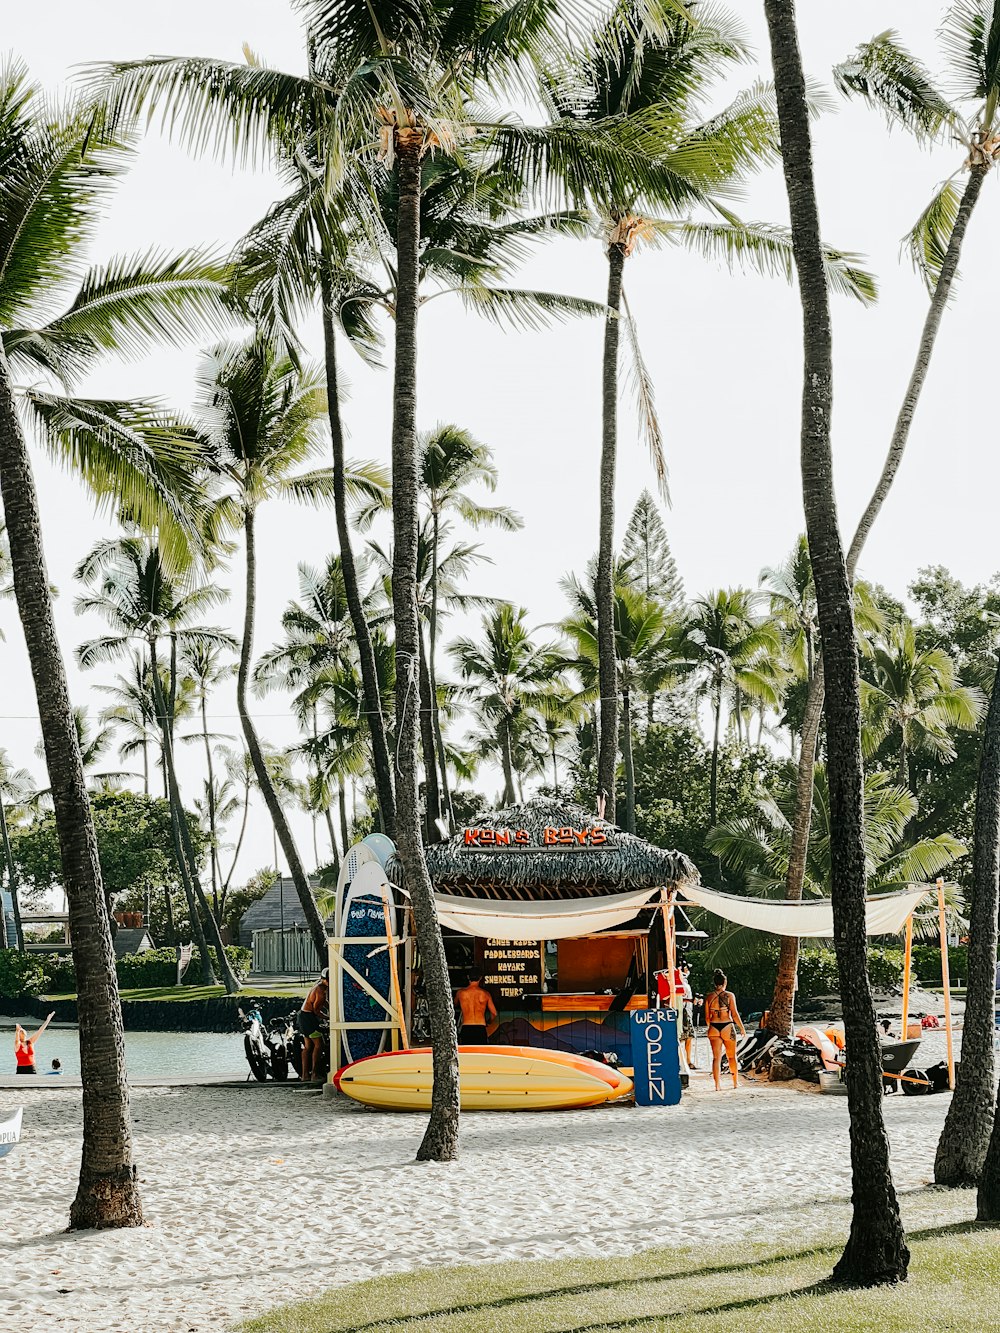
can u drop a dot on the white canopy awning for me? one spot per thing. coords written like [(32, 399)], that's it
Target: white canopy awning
[(813, 918), (567, 918)]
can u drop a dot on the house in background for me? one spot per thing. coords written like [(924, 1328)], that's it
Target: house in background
[(132, 940), (275, 929)]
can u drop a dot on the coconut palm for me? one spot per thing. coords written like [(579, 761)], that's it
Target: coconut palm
[(876, 1249), (510, 679), (129, 587), (204, 665), (645, 77), (733, 653), (261, 418), (914, 701), (645, 654), (58, 319)]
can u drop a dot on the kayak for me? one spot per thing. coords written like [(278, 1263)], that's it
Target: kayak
[(492, 1078), (10, 1132)]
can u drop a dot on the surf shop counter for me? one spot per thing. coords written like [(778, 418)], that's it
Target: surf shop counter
[(567, 1022)]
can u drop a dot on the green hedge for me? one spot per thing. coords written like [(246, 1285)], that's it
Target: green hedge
[(817, 972), (927, 963), (32, 974)]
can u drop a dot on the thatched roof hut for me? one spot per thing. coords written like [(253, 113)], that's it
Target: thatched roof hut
[(547, 849)]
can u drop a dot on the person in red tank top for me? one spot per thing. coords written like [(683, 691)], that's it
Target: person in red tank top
[(24, 1047)]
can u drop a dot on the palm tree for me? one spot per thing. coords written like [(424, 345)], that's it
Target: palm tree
[(15, 789), (261, 417), (203, 663), (876, 1250), (131, 590), (733, 652), (645, 659), (57, 169), (914, 700), (451, 461), (965, 1139), (134, 713), (511, 680)]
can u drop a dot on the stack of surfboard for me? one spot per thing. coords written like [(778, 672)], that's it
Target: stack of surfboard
[(492, 1078)]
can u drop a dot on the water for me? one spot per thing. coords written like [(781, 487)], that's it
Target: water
[(148, 1054)]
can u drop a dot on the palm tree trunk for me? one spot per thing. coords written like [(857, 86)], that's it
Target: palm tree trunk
[(629, 761), (374, 715), (962, 1148), (432, 796), (713, 787), (212, 829), (607, 759), (108, 1192), (782, 1002), (145, 766), (507, 761), (187, 860), (440, 1141), (12, 885), (168, 912), (332, 835), (876, 1250), (342, 809), (555, 767), (281, 827), (239, 843), (449, 813)]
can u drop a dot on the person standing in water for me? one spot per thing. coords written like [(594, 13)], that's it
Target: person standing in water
[(723, 1019), (24, 1047), (475, 1005)]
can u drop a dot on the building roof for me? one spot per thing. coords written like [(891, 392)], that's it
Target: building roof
[(128, 940), (536, 867), (279, 908)]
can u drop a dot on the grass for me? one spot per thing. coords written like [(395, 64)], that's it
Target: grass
[(725, 1286), (183, 994)]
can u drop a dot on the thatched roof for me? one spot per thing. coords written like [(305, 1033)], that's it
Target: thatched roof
[(531, 870)]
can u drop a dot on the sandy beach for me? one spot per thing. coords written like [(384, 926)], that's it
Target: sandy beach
[(259, 1195)]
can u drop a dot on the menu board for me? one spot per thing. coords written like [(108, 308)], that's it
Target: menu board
[(513, 968)]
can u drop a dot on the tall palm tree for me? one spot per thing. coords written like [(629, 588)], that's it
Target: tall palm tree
[(914, 700), (128, 585), (134, 713), (876, 1250), (645, 78), (733, 653), (57, 169), (261, 417), (511, 680), (204, 664)]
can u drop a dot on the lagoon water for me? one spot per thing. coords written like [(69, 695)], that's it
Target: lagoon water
[(149, 1054)]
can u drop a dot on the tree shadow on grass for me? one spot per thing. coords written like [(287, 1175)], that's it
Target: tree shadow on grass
[(821, 1287)]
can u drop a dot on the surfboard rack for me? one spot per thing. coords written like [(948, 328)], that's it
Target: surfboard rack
[(395, 1023)]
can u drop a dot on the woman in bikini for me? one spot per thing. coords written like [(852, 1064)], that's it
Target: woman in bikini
[(723, 1019)]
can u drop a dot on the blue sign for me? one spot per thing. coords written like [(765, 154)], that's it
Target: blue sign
[(655, 1057)]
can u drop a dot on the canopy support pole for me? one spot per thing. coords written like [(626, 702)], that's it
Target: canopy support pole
[(946, 981), (907, 960)]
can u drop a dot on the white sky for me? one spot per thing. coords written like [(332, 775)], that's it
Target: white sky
[(723, 351)]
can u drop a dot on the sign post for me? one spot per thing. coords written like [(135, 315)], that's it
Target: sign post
[(655, 1057)]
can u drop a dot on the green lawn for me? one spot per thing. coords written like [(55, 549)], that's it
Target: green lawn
[(181, 994), (953, 1285)]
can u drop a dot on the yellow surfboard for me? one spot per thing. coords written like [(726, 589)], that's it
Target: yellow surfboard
[(493, 1078)]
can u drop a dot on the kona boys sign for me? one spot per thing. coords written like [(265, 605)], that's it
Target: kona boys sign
[(553, 837)]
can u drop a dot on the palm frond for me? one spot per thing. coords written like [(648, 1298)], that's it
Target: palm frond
[(641, 383), (930, 235), (893, 81)]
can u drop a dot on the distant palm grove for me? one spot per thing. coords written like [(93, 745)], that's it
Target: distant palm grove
[(807, 735)]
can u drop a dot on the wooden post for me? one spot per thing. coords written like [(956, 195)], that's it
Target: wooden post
[(946, 981), (907, 958), (395, 975)]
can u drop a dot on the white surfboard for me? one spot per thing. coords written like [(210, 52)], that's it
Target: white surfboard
[(382, 846), (364, 916), (356, 857)]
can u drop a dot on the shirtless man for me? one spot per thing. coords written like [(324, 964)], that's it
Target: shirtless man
[(309, 1021), (475, 1004)]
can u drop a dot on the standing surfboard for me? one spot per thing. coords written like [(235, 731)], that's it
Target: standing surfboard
[(10, 1132), (356, 857), (382, 846), (364, 915)]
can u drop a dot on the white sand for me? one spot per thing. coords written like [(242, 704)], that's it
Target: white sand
[(260, 1195)]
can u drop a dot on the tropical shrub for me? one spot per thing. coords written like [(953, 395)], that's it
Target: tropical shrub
[(158, 967), (20, 974), (927, 963), (817, 972)]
